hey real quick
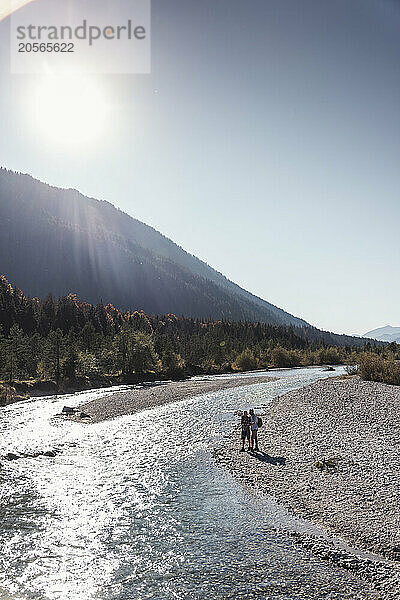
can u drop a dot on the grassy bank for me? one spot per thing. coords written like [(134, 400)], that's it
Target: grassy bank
[(21, 390)]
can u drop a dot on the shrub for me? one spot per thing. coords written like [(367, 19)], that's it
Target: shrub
[(3, 396), (332, 356), (87, 364), (173, 364), (245, 361), (6, 394), (378, 368), (329, 356), (280, 357)]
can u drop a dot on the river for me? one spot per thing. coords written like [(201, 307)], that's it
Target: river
[(135, 508)]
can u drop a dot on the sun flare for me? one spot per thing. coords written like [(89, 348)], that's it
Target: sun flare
[(69, 110), (7, 7)]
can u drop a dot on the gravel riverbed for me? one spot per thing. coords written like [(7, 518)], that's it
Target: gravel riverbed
[(330, 452), (157, 394)]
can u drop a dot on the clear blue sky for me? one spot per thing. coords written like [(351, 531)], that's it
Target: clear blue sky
[(265, 141)]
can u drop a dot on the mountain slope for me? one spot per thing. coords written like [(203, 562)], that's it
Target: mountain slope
[(58, 241), (385, 334)]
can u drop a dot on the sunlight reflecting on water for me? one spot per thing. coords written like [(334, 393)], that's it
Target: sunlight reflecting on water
[(136, 508)]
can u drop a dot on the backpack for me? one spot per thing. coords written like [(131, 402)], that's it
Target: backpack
[(259, 422)]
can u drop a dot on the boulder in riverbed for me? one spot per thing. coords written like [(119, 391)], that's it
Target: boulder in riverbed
[(11, 456)]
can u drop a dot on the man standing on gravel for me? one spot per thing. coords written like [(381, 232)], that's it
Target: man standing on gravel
[(254, 430), (245, 423)]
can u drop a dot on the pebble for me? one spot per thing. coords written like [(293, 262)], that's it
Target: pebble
[(332, 457)]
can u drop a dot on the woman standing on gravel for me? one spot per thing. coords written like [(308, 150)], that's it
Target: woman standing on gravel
[(254, 430)]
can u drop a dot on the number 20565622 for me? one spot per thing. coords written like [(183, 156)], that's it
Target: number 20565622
[(46, 47)]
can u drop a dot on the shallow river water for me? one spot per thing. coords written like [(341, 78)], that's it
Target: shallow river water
[(135, 508)]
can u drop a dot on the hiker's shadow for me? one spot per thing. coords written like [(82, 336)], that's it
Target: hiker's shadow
[(266, 458)]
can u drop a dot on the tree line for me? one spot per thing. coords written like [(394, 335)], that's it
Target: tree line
[(65, 339)]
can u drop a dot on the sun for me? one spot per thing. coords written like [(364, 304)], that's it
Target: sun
[(69, 110)]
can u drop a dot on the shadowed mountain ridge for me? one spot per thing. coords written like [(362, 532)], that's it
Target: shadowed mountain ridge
[(57, 240)]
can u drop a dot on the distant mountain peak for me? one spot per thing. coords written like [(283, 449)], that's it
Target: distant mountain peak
[(388, 333)]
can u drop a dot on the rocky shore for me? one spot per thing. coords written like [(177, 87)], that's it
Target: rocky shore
[(330, 452), (149, 395)]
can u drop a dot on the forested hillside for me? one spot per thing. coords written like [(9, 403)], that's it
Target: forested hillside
[(65, 338), (58, 241)]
